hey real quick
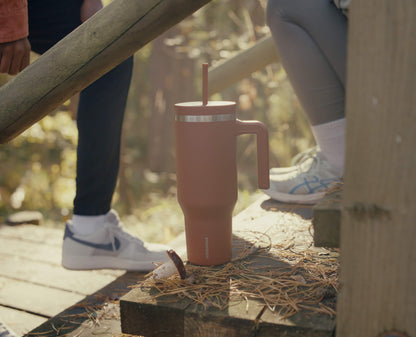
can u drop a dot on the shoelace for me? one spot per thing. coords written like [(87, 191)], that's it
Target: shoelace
[(300, 158), (117, 227)]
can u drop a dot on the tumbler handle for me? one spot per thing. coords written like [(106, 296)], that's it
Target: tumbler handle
[(258, 128)]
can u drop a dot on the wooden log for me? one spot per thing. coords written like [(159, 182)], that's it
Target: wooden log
[(378, 256), (24, 217), (94, 48), (232, 70), (327, 220)]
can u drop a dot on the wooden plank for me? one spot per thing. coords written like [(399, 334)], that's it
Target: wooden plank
[(37, 243), (20, 321), (378, 266), (173, 316), (303, 211), (40, 252), (327, 220), (84, 56), (30, 250), (81, 282), (108, 325), (31, 233), (230, 71), (238, 320), (97, 314), (275, 324), (35, 298), (142, 314), (24, 217)]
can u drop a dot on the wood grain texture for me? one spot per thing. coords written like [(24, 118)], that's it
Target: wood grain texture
[(327, 221), (378, 259), (20, 321), (142, 314), (39, 299), (94, 48), (30, 233), (34, 285), (230, 71), (96, 314), (53, 276)]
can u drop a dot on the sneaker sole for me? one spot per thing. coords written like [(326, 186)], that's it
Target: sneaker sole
[(105, 262), (309, 199)]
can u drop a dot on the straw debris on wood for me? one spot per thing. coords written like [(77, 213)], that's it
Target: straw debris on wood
[(281, 277)]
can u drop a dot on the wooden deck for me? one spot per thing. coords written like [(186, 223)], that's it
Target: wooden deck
[(287, 227), (34, 287), (40, 298), (327, 220)]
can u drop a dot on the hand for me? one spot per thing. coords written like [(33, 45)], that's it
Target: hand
[(89, 8), (14, 56)]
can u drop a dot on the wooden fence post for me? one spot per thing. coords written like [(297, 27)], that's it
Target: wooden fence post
[(378, 229)]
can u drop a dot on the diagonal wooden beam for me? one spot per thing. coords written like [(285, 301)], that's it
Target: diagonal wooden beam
[(94, 48), (241, 65)]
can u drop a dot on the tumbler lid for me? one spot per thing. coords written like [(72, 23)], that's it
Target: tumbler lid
[(205, 107), (211, 108)]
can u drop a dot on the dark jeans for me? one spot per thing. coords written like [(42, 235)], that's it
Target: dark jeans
[(100, 112)]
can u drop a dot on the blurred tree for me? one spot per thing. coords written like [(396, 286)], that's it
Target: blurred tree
[(37, 169), (171, 76)]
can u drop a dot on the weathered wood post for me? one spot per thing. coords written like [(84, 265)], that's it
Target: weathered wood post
[(97, 46), (378, 230)]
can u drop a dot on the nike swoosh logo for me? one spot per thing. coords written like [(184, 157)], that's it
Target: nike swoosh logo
[(105, 246)]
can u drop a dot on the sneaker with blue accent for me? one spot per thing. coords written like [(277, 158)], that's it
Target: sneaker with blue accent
[(5, 331), (304, 183), (109, 247), (302, 159)]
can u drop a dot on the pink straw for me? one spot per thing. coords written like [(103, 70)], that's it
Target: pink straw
[(205, 83)]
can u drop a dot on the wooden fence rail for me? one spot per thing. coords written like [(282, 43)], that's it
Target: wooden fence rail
[(94, 48)]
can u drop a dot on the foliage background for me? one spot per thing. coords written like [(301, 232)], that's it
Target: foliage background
[(37, 169)]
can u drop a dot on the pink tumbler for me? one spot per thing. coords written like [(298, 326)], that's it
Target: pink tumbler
[(206, 169)]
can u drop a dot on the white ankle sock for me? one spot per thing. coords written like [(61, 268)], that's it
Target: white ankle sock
[(331, 140), (87, 224)]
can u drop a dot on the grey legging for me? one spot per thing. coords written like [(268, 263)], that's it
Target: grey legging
[(311, 38)]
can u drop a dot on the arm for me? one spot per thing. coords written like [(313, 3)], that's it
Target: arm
[(14, 56), (89, 8), (14, 46)]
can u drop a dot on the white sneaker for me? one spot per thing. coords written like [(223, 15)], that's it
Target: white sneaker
[(305, 183), (302, 159), (5, 331), (110, 247)]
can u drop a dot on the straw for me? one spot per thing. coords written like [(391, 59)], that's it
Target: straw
[(205, 83), (303, 281)]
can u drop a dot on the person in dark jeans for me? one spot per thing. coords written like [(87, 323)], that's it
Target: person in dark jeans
[(94, 238)]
